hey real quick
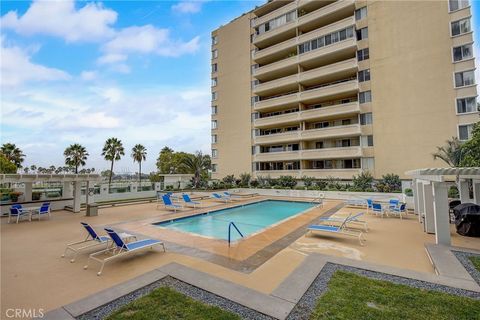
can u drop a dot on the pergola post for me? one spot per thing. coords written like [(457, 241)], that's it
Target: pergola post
[(77, 192), (442, 216), (415, 195), (419, 200), (27, 196), (67, 190), (428, 208), (463, 190), (476, 191), (89, 198)]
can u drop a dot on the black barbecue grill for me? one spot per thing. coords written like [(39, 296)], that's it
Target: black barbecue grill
[(467, 219)]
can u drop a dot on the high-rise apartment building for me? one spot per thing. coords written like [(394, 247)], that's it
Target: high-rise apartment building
[(331, 88)]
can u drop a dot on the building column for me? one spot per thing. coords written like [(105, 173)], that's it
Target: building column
[(419, 201), (476, 191), (27, 195), (77, 192), (67, 191), (442, 215), (428, 208), (463, 190), (415, 196)]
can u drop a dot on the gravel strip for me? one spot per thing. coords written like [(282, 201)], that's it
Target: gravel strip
[(182, 287), (463, 257), (305, 306)]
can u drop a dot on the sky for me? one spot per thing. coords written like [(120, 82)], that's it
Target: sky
[(82, 72)]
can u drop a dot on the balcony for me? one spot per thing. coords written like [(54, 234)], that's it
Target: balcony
[(285, 31), (289, 65), (295, 117), (331, 132), (274, 52), (291, 136), (272, 15), (343, 67), (311, 154)]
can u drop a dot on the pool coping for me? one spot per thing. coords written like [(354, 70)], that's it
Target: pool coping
[(279, 303)]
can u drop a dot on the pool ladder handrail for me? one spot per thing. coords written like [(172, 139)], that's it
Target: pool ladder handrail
[(230, 231)]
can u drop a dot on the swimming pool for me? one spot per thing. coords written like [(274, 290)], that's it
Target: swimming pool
[(249, 218)]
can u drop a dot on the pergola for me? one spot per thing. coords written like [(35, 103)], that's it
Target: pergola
[(72, 184), (430, 190)]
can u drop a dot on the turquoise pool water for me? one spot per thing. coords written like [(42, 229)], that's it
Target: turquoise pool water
[(249, 219)]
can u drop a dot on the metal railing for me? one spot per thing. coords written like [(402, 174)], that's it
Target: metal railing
[(230, 231)]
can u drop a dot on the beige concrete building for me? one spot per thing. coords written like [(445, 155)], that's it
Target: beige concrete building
[(331, 88)]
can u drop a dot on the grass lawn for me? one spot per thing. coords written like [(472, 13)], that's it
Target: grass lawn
[(165, 303), (476, 262), (350, 296)]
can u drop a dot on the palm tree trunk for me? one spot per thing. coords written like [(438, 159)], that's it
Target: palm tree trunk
[(76, 168), (110, 178), (140, 173)]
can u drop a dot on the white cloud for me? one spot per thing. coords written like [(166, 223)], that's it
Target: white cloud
[(98, 120), (89, 23), (16, 68), (88, 75), (145, 39), (188, 6)]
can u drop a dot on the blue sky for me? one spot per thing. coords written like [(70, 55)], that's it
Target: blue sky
[(81, 72)]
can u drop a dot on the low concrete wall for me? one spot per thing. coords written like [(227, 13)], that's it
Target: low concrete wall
[(59, 204)]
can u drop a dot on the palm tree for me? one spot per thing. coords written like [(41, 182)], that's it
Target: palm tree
[(450, 153), (33, 167), (13, 154), (75, 156), (112, 151), (197, 164), (139, 154), (26, 169)]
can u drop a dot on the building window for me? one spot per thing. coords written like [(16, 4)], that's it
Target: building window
[(464, 78), (367, 141), (466, 105), (364, 75), (214, 54), (455, 5), (214, 96), (360, 13), (368, 163), (463, 52), (214, 153), (214, 124), (214, 110), (214, 167), (326, 40), (366, 118), (214, 82), (362, 34), (461, 26), (214, 67), (214, 40), (214, 138), (465, 131), (363, 54), (364, 97)]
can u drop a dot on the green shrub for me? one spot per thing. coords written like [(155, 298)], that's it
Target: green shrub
[(308, 181), (36, 195), (453, 192), (169, 188), (389, 183), (409, 192), (363, 181), (287, 181), (245, 180), (254, 183), (54, 194), (321, 184)]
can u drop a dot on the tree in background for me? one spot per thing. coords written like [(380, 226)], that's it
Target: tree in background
[(363, 182), (6, 166), (170, 162), (13, 154), (197, 164), (139, 154), (450, 153), (470, 150), (75, 156), (112, 151)]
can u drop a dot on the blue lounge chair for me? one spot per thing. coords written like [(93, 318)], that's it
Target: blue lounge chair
[(120, 248), (369, 204), (393, 203), (231, 196), (342, 229), (16, 210), (378, 209), (220, 197), (352, 220), (401, 208), (92, 239), (167, 202), (188, 201), (43, 210)]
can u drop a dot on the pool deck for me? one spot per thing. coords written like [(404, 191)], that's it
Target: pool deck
[(33, 275)]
